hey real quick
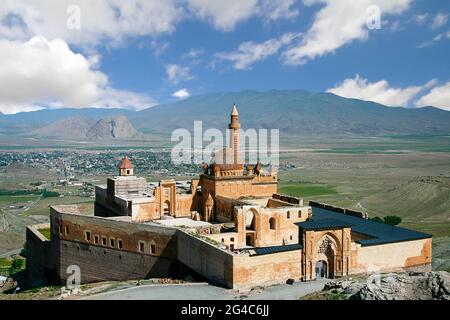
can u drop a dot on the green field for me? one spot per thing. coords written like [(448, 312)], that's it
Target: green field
[(4, 263), (305, 189), (18, 199)]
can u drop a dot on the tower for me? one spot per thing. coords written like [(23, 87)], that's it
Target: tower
[(235, 127), (126, 168)]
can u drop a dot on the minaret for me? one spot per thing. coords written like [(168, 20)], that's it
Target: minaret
[(234, 127)]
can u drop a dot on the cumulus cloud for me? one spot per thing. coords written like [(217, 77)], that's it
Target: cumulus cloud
[(111, 20), (225, 14), (251, 52), (439, 20), (338, 23), (438, 97), (380, 91), (181, 94), (176, 73), (40, 73)]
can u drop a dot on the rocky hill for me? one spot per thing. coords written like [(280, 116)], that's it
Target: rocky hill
[(72, 128), (391, 286), (114, 127)]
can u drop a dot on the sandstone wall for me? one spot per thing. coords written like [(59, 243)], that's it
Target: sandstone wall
[(399, 256), (214, 264), (269, 269), (114, 250)]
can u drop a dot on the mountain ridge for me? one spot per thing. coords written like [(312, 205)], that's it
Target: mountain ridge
[(291, 111)]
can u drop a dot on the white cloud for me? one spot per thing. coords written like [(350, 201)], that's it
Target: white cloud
[(225, 14), (379, 91), (110, 20), (438, 97), (113, 98), (251, 52), (338, 23), (441, 36), (420, 19), (176, 73), (193, 53), (181, 94), (278, 9), (158, 47), (40, 73), (439, 20)]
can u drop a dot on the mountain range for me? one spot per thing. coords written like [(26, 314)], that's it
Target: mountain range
[(291, 111)]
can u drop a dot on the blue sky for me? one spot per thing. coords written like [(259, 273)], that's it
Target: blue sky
[(136, 53)]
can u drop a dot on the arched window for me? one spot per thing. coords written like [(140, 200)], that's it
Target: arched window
[(272, 223), (288, 214)]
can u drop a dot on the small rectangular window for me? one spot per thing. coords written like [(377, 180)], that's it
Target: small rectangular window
[(232, 239), (66, 230), (104, 241), (153, 248), (120, 244), (141, 246), (223, 240), (87, 236), (96, 239), (112, 243), (60, 229)]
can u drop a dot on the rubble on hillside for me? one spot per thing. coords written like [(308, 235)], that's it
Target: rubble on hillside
[(394, 286)]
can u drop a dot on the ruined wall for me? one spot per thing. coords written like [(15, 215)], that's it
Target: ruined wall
[(183, 205), (269, 269), (271, 226), (395, 257), (224, 208)]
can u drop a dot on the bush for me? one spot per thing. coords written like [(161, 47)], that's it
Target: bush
[(16, 265), (23, 252), (392, 220), (376, 219)]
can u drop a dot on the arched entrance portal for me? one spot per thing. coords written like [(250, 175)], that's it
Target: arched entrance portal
[(326, 258), (167, 207), (321, 269)]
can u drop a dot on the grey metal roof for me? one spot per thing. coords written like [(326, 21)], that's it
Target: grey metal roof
[(275, 249), (380, 233), (323, 224)]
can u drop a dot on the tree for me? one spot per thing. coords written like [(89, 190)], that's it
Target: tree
[(16, 265), (376, 219), (23, 252), (392, 220)]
